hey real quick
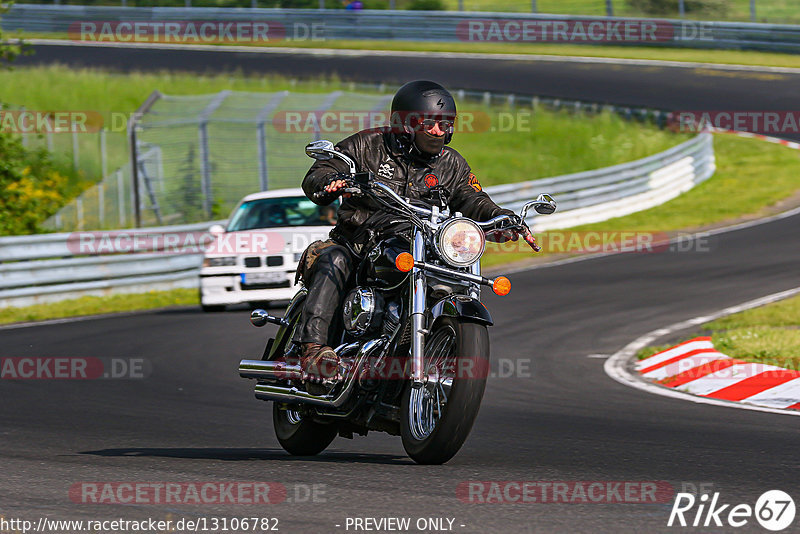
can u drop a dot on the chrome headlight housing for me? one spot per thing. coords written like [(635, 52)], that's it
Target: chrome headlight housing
[(460, 242)]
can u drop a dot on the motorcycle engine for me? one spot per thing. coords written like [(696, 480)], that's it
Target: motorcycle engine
[(362, 310)]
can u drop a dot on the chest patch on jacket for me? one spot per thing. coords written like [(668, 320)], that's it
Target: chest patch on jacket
[(431, 180), (474, 183), (385, 171)]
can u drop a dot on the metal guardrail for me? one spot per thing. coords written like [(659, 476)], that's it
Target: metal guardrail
[(304, 24), (46, 268)]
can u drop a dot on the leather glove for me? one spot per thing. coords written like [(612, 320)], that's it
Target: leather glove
[(502, 236)]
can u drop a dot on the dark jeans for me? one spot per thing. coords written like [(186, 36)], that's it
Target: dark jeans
[(325, 293)]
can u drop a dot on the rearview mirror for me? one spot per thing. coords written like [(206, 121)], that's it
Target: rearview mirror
[(320, 149), (545, 204)]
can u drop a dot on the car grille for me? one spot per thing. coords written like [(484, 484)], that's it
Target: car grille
[(274, 261), (274, 285), (252, 261)]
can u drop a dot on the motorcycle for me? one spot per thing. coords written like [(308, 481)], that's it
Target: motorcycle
[(412, 339)]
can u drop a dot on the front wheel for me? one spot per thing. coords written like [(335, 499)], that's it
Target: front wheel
[(298, 436), (437, 418)]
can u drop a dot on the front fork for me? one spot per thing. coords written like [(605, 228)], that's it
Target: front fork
[(418, 304), (418, 311)]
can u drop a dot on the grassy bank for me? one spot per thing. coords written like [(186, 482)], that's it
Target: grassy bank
[(97, 305), (769, 334)]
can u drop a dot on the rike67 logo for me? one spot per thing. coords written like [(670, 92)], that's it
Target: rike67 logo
[(774, 510)]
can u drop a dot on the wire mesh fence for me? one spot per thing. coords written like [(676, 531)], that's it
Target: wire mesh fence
[(197, 156)]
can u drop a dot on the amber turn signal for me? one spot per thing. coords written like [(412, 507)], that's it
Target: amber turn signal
[(501, 285), (404, 262)]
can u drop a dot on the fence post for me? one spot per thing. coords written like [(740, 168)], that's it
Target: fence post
[(261, 119), (120, 199), (24, 133), (205, 162), (79, 210), (103, 154), (75, 154), (132, 122), (101, 204), (682, 8), (752, 10), (534, 9), (609, 8)]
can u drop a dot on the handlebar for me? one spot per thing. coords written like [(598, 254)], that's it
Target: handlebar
[(487, 226)]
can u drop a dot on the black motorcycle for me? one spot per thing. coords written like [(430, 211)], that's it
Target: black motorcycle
[(413, 339)]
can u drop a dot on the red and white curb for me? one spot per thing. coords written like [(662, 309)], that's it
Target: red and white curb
[(767, 138), (696, 367), (707, 376)]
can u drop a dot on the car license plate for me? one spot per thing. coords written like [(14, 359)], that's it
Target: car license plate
[(263, 278)]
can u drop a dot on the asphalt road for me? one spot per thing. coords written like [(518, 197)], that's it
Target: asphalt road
[(193, 419), (557, 418)]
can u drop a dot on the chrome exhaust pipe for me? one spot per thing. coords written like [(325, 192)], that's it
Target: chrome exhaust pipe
[(271, 392), (269, 370)]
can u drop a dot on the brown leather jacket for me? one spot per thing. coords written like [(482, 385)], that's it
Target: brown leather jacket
[(382, 152)]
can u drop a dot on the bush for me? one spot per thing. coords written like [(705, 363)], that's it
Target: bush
[(670, 7), (31, 189)]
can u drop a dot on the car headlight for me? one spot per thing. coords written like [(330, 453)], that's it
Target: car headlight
[(221, 261), (461, 242)]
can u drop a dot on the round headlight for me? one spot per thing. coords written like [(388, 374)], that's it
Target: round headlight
[(461, 242)]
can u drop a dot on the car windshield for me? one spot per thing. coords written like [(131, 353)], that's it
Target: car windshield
[(281, 211)]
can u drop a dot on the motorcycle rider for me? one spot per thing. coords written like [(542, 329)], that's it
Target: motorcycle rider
[(411, 157)]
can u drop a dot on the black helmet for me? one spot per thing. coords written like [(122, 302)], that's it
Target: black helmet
[(420, 100)]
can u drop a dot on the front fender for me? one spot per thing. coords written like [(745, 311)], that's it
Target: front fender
[(461, 306)]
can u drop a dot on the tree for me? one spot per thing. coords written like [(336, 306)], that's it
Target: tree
[(8, 51)]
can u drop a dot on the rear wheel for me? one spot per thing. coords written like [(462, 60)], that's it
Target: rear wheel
[(299, 436), (437, 418)]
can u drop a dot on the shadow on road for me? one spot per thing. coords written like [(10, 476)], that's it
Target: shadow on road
[(252, 454)]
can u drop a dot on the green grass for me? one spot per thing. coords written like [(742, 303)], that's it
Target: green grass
[(97, 305), (742, 166), (729, 57), (769, 334)]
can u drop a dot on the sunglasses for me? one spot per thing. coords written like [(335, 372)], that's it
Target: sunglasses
[(444, 124)]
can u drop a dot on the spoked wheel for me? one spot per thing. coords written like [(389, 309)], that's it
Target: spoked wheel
[(299, 436), (437, 418)]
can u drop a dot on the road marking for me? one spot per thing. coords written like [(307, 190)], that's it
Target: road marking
[(598, 356), (411, 54), (616, 366)]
